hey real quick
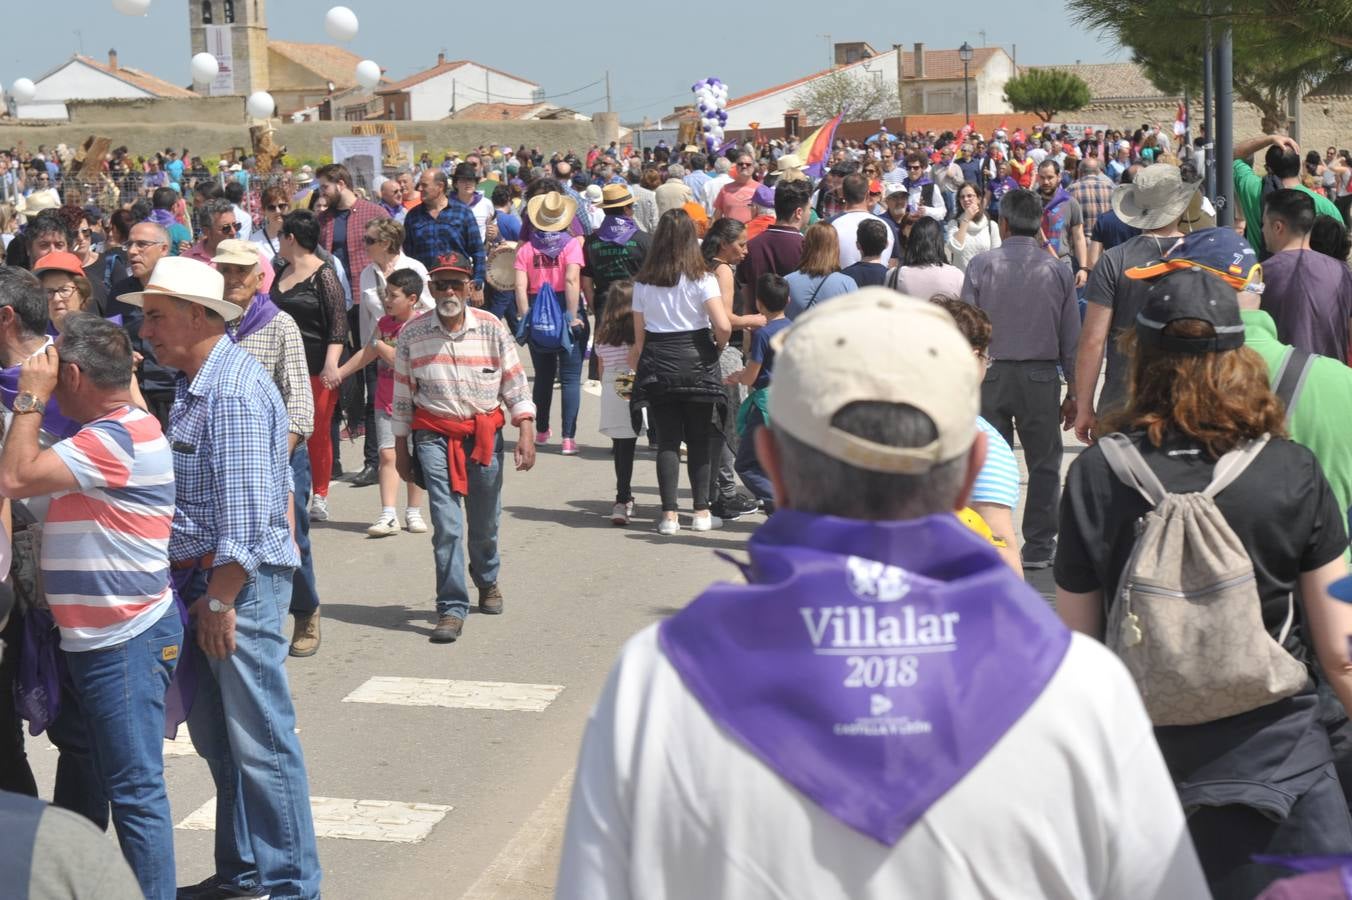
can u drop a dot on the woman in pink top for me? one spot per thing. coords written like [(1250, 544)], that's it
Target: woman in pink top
[(553, 256), (927, 271)]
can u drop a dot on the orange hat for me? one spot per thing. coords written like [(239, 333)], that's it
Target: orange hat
[(875, 186), (59, 261)]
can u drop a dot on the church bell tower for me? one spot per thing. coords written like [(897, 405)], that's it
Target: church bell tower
[(236, 33)]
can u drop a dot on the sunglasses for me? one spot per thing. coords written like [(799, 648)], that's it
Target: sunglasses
[(746, 165), (230, 227), (369, 241), (448, 284), (279, 207), (915, 168)]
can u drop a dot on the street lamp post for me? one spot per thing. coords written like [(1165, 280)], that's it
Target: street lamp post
[(965, 54)]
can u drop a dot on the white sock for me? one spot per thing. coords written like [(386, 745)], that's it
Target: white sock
[(387, 512)]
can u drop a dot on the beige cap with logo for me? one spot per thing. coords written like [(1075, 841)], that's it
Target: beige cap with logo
[(236, 253), (876, 345)]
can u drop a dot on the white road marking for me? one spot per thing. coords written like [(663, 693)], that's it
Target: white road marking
[(455, 694), (354, 820)]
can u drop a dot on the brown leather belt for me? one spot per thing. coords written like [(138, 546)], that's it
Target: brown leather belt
[(203, 562)]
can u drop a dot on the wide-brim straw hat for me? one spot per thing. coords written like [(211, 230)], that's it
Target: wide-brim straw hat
[(552, 211), (1157, 196), (616, 196), (186, 279)]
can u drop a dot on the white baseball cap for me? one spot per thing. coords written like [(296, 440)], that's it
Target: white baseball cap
[(876, 345)]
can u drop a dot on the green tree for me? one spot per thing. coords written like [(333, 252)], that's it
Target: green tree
[(1047, 92), (859, 95)]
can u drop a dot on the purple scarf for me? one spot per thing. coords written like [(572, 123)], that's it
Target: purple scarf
[(920, 182), (871, 665), (550, 243), (617, 229), (1061, 196), (260, 312), (53, 422), (162, 217)]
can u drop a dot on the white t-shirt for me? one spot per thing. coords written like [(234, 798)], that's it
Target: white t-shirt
[(1074, 801), (679, 308), (847, 232)]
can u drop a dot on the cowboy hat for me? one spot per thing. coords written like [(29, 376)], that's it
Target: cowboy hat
[(616, 196), (1157, 196), (187, 279), (790, 161), (552, 211), (1196, 217)]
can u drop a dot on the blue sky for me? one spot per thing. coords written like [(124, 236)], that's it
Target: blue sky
[(653, 56)]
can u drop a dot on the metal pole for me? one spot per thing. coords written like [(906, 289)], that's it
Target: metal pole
[(1208, 122), (1225, 118), (966, 96)]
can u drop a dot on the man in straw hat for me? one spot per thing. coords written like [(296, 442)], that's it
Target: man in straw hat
[(615, 251), (1153, 202), (454, 369), (231, 545), (862, 573)]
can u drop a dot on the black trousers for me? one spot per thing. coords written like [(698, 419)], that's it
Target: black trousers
[(692, 423), (624, 467), (1024, 397)]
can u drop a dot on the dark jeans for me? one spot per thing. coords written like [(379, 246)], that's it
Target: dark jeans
[(503, 305), (567, 367), (304, 590), (692, 423), (748, 466), (624, 467), (370, 452), (1025, 397), (16, 775)]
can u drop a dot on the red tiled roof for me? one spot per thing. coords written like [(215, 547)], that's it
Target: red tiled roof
[(495, 112), (441, 69), (151, 84), (940, 65)]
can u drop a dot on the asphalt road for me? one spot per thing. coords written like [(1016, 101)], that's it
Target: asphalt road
[(576, 588)]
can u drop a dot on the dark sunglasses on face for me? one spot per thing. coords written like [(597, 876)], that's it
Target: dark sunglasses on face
[(915, 167), (369, 241), (280, 207), (230, 227), (444, 284)]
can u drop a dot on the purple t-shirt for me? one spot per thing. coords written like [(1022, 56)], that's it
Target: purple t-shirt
[(1309, 296)]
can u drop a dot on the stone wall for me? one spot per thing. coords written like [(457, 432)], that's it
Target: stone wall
[(210, 127)]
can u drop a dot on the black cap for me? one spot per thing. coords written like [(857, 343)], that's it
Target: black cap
[(1190, 294), (465, 170)]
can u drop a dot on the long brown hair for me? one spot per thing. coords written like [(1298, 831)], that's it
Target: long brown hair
[(674, 252), (821, 251), (1218, 400), (617, 321)]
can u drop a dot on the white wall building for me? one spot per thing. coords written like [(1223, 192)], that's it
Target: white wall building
[(85, 78), (452, 85), (933, 88)]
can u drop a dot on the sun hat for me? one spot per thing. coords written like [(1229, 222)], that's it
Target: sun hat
[(790, 161), (616, 196), (594, 195), (552, 211), (1217, 251), (881, 346), (235, 252), (60, 261), (186, 279), (1156, 197), (1190, 294)]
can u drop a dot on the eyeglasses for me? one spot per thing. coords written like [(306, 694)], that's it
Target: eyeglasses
[(279, 207), (65, 292), (145, 245), (447, 284), (369, 241), (229, 227)]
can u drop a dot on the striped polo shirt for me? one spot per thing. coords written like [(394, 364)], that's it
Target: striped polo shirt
[(105, 547)]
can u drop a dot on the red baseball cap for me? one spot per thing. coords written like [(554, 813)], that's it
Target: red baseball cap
[(455, 261)]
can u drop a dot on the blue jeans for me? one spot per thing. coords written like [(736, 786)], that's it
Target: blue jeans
[(121, 690), (503, 305), (748, 466), (304, 591), (568, 367), (451, 521), (243, 724)]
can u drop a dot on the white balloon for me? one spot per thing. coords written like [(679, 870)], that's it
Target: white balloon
[(132, 7), (368, 73), (205, 68), (261, 105), (23, 90), (341, 23)]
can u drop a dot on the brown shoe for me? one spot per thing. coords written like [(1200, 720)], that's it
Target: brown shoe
[(305, 638), (447, 630), (490, 600)]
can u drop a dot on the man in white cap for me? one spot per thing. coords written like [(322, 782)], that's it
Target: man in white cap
[(231, 548), (886, 708)]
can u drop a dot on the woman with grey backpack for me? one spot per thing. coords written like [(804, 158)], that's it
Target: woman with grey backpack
[(1199, 543)]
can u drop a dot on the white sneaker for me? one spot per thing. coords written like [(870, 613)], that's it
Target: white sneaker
[(668, 526), (619, 514), (413, 521), (706, 522), (319, 509), (384, 527)]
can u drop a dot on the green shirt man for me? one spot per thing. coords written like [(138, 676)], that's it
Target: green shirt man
[(1249, 196)]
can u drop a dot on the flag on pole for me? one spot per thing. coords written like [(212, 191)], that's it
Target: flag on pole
[(816, 150), (1181, 120)]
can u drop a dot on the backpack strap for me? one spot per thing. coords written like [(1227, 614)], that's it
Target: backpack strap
[(1131, 468), (1232, 465), (1289, 380)]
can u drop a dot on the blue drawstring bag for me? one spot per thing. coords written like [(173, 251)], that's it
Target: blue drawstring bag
[(547, 328)]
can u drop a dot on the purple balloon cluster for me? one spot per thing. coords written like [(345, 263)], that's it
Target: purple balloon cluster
[(711, 99)]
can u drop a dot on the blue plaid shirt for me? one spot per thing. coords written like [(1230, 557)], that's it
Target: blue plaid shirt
[(228, 431), (454, 228)]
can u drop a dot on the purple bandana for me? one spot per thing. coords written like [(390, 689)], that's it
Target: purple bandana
[(260, 312), (617, 229), (550, 243), (920, 182), (871, 665), (163, 218), (1061, 196), (53, 422)]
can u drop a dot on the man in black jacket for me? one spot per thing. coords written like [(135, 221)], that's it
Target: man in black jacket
[(149, 244)]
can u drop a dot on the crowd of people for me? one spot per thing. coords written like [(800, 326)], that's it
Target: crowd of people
[(855, 354)]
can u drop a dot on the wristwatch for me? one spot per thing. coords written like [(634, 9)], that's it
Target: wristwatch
[(217, 606), (28, 402)]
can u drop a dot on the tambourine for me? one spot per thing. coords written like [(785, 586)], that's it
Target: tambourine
[(624, 385), (500, 268)]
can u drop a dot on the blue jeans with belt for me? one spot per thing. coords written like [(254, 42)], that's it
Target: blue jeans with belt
[(460, 523), (243, 724), (121, 691)]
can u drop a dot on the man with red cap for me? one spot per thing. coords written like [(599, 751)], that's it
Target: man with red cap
[(455, 368)]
